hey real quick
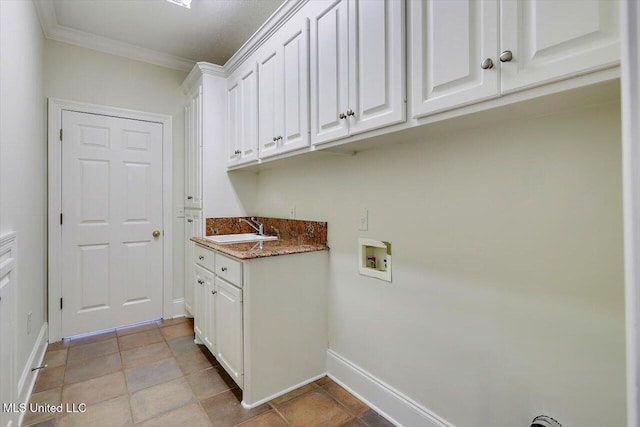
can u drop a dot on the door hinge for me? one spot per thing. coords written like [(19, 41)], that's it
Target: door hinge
[(60, 134), (60, 218), (60, 303)]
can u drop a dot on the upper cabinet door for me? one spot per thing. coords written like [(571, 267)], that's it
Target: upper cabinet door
[(249, 113), (449, 41), (270, 101), (377, 94), (552, 40), (283, 72), (242, 115), (193, 151), (329, 72), (295, 87), (233, 123)]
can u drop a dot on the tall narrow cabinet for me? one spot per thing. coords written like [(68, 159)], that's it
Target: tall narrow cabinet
[(204, 115)]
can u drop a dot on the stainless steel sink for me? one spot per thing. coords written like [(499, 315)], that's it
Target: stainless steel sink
[(239, 238)]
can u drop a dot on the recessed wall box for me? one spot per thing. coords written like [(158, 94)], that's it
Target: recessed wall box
[(374, 257)]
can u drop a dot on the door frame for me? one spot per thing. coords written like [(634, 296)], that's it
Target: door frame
[(56, 107)]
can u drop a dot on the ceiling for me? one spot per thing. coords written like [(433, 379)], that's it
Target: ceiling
[(156, 30)]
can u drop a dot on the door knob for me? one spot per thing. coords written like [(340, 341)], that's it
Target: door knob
[(156, 234), (506, 56), (486, 64)]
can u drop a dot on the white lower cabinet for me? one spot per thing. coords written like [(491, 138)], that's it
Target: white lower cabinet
[(267, 329), (192, 228), (228, 327)]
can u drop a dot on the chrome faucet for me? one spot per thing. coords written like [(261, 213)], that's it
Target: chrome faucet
[(259, 228)]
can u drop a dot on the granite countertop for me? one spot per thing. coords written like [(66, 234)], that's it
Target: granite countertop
[(250, 250), (294, 237)]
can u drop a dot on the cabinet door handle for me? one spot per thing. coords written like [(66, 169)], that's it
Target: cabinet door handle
[(275, 138), (223, 268), (214, 292), (200, 257), (350, 112), (189, 220), (342, 116), (506, 56), (487, 64), (189, 197), (237, 152), (201, 282)]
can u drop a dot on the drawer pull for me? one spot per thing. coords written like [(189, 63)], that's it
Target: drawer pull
[(200, 257), (223, 268)]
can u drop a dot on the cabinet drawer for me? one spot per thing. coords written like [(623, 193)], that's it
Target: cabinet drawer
[(204, 257), (229, 269)]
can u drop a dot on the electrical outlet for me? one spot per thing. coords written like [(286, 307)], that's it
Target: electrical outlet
[(292, 212), (179, 211), (364, 220), (29, 316)]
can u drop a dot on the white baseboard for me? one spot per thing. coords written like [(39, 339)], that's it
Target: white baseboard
[(28, 377), (177, 310), (280, 393), (381, 397)]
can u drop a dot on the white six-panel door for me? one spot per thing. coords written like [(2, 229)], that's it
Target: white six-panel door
[(112, 204), (551, 40), (449, 42)]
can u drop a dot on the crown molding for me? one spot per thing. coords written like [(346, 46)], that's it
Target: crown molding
[(52, 30), (270, 26), (200, 69)]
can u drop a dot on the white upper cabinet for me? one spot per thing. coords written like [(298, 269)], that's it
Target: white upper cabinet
[(457, 56), (552, 40), (283, 70), (193, 150), (449, 42), (242, 115), (357, 67)]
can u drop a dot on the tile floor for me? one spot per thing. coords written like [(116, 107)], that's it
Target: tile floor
[(154, 375)]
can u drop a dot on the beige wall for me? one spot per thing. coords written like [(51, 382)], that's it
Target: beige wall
[(507, 295), (23, 163), (85, 75)]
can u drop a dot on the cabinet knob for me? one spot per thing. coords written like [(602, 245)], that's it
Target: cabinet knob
[(275, 138), (189, 220), (213, 292), (189, 197), (237, 152), (224, 269), (279, 138), (342, 116), (506, 56), (200, 257), (487, 64), (350, 112), (201, 282)]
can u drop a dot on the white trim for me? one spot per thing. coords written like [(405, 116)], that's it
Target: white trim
[(262, 34), (283, 392), (381, 397), (178, 308), (28, 377), (54, 31), (200, 69), (7, 240), (630, 81), (56, 106)]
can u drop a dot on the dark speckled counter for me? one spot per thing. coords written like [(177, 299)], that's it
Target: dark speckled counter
[(250, 250), (294, 237)]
